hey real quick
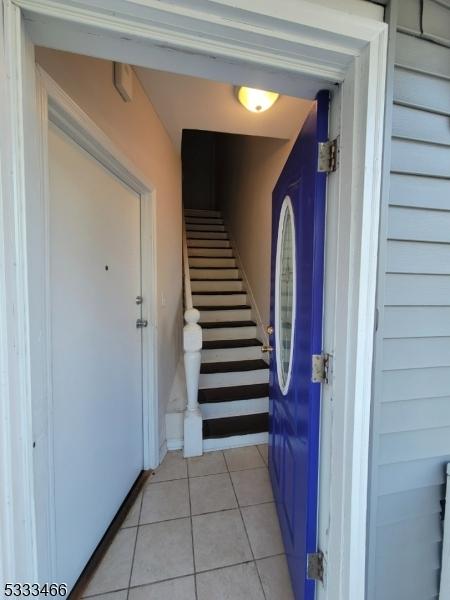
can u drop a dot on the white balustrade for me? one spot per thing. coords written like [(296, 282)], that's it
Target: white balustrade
[(192, 346)]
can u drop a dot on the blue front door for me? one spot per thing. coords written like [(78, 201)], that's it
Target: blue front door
[(298, 226)]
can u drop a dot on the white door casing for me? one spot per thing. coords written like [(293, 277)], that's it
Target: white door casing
[(280, 46)]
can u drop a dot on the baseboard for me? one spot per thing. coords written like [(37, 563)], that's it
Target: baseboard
[(175, 444)]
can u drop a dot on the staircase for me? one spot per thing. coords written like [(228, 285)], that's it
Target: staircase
[(233, 386)]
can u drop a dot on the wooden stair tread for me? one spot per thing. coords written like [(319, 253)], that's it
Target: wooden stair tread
[(230, 426), (222, 324), (222, 344), (234, 366)]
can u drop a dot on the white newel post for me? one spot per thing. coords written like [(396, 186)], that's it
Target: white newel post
[(192, 340)]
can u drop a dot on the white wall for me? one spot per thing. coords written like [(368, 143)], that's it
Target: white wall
[(136, 129), (253, 166)]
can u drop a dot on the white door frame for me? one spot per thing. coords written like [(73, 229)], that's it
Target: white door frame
[(240, 41)]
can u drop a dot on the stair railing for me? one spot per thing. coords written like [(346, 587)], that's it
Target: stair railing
[(192, 346)]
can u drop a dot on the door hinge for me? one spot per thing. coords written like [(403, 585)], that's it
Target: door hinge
[(315, 566), (328, 153), (319, 368)]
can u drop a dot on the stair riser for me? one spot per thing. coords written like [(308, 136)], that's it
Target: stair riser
[(218, 300), (230, 354), (211, 235), (207, 227), (229, 333), (208, 243), (216, 286), (196, 212), (212, 252), (216, 316), (213, 380), (212, 262), (203, 221), (235, 441), (217, 410), (214, 273)]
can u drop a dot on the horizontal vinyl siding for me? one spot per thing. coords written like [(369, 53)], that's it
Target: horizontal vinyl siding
[(411, 427)]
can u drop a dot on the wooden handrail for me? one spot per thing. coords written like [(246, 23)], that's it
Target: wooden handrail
[(186, 273)]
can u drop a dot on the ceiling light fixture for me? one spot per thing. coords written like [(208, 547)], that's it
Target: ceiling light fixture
[(256, 101)]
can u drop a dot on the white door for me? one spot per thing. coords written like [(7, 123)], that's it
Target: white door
[(95, 276)]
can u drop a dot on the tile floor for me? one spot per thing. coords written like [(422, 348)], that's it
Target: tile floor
[(202, 529)]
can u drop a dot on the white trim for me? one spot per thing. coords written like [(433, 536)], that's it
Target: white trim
[(241, 41), (57, 107), (286, 207), (235, 441)]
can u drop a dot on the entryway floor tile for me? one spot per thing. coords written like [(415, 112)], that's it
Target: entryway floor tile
[(240, 582), (275, 578), (219, 540), (208, 464), (252, 486), (264, 450), (261, 523), (211, 493), (247, 457), (114, 570), (174, 589), (164, 501), (132, 518), (163, 551), (174, 466), (201, 529)]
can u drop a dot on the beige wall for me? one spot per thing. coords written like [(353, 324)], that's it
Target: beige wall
[(253, 166), (135, 128)]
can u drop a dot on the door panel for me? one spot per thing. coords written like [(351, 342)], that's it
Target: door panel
[(295, 402), (96, 348)]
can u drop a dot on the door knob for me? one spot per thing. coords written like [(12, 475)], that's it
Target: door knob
[(141, 323), (266, 348), (269, 329)]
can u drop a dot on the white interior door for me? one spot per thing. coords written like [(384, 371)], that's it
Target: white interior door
[(95, 276)]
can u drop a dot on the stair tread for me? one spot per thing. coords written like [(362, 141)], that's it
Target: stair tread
[(207, 239), (222, 344), (232, 393), (221, 324), (226, 307), (230, 426), (224, 293), (210, 280), (213, 268), (234, 366)]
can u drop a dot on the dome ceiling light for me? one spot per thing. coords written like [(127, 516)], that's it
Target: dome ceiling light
[(256, 101)]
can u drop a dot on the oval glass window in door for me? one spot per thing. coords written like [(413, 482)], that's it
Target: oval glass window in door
[(285, 294)]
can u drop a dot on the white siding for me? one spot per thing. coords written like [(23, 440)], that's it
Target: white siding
[(411, 412)]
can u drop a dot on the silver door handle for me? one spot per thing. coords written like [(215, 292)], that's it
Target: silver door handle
[(141, 323)]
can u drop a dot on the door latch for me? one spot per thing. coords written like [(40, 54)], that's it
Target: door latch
[(141, 323)]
